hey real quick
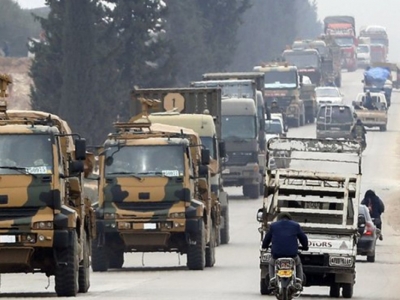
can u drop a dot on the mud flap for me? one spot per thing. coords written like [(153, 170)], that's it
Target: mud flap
[(345, 278)]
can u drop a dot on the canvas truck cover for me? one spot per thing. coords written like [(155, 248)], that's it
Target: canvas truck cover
[(339, 20), (258, 77), (316, 198), (377, 74), (192, 100)]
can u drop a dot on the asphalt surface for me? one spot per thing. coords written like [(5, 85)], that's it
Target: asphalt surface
[(236, 273)]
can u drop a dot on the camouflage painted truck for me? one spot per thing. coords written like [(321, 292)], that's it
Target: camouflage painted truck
[(281, 82), (154, 194), (321, 191), (46, 222), (197, 109)]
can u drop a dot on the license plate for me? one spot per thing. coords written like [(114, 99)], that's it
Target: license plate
[(285, 273), (335, 128), (149, 226), (226, 171), (7, 239)]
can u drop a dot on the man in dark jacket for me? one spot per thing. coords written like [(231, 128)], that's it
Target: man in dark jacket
[(284, 235), (376, 208)]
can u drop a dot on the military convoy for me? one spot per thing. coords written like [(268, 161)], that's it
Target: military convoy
[(46, 221)]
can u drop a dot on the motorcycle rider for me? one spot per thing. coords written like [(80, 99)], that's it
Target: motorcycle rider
[(284, 235), (359, 131), (376, 208)]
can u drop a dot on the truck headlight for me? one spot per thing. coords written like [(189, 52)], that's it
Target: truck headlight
[(177, 215), (109, 216), (42, 225)]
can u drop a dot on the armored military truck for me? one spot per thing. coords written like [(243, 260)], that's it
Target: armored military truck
[(45, 219), (198, 109), (281, 83), (154, 194)]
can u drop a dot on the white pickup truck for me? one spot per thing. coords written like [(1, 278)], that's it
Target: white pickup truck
[(376, 117), (324, 203)]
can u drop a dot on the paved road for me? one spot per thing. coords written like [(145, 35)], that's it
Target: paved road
[(236, 273)]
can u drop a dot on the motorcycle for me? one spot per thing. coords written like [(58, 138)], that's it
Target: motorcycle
[(285, 279)]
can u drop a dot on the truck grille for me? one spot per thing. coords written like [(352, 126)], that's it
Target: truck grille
[(144, 206), (17, 213)]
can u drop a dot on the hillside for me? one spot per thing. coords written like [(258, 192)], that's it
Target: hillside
[(18, 68)]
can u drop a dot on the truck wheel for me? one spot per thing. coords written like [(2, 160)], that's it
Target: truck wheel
[(100, 262), (371, 258), (66, 275), (84, 272), (347, 290), (382, 128), (254, 191), (245, 190), (224, 232), (197, 253), (116, 260), (210, 250), (334, 290)]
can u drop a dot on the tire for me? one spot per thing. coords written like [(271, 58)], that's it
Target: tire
[(382, 128), (66, 276), (100, 261), (224, 232), (245, 190), (334, 290), (210, 250), (84, 270), (285, 294), (264, 290), (371, 258), (116, 260), (254, 191), (196, 255), (347, 290)]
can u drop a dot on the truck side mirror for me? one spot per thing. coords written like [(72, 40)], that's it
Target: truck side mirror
[(80, 149), (205, 157), (76, 166), (221, 149)]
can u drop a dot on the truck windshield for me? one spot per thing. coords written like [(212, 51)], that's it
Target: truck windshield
[(344, 41), (273, 127), (280, 79), (242, 127), (151, 160), (237, 90), (302, 59), (26, 153), (362, 49), (326, 92)]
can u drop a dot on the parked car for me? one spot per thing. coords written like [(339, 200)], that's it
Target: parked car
[(328, 95), (368, 234)]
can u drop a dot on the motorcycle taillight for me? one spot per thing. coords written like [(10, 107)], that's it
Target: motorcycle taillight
[(369, 228), (284, 263)]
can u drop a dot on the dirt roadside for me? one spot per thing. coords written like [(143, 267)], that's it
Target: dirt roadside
[(18, 68)]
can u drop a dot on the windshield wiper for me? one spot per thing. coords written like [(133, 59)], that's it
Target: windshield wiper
[(125, 173), (156, 173), (21, 170)]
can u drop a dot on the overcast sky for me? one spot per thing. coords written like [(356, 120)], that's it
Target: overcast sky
[(366, 12)]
